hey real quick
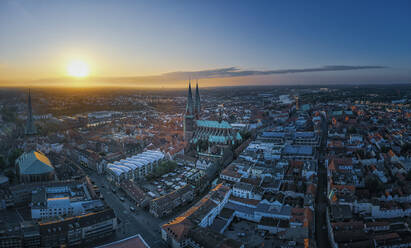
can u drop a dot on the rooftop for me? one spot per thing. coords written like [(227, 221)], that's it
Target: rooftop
[(300, 150), (34, 163), (213, 124), (135, 241)]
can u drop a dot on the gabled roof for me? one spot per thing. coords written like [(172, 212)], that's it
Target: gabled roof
[(34, 163)]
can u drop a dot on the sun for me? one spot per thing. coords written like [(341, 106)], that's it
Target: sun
[(78, 68)]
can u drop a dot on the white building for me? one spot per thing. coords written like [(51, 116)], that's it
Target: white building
[(62, 201), (135, 167)]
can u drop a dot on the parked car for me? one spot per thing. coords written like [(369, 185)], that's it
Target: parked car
[(132, 208), (122, 198)]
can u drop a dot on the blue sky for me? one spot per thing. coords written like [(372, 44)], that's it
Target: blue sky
[(148, 38)]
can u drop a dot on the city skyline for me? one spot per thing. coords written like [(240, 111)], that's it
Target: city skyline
[(145, 44), (223, 124)]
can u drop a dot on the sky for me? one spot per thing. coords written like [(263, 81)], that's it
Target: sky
[(164, 43)]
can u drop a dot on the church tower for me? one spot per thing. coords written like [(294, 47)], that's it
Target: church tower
[(197, 104), (189, 115), (30, 128)]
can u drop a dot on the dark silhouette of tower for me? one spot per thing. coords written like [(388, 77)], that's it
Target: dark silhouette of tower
[(197, 104), (189, 115), (297, 103), (30, 128)]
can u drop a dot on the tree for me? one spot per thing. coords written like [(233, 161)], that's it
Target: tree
[(163, 168), (245, 134), (373, 185), (13, 156), (232, 118), (2, 163), (203, 145), (406, 148), (352, 130), (10, 174), (9, 114), (385, 149)]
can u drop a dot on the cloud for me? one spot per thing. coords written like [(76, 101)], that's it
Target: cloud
[(225, 73), (236, 72), (178, 76)]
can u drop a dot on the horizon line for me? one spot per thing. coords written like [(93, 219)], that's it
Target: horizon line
[(203, 87)]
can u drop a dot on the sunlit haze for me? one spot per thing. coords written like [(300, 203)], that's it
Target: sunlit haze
[(78, 68)]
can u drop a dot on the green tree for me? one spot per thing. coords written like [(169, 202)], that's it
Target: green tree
[(373, 185), (203, 145), (2, 163), (13, 156), (385, 149), (245, 134), (232, 118), (406, 148), (352, 130), (163, 168), (11, 175)]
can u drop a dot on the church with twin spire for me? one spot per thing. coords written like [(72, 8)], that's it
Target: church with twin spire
[(207, 137)]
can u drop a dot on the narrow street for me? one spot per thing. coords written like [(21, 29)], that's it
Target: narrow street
[(321, 199), (131, 222)]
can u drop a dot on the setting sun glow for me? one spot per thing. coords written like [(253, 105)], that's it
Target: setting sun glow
[(78, 69)]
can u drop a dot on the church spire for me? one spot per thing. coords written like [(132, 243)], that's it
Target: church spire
[(189, 107), (197, 104), (30, 128)]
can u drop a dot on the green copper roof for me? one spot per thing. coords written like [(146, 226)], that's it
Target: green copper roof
[(213, 124), (217, 139), (337, 113), (33, 163), (305, 107)]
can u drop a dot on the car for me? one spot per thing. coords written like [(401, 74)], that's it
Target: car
[(122, 198), (132, 208)]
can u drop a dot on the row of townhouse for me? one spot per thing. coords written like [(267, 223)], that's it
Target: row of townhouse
[(290, 137), (176, 233)]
